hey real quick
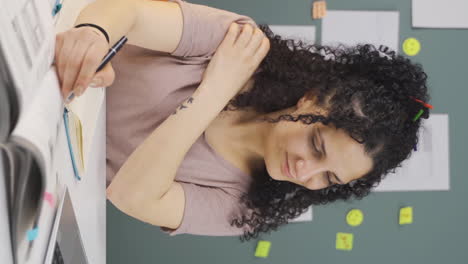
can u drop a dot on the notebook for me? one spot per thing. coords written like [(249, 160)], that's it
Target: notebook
[(32, 115), (74, 132)]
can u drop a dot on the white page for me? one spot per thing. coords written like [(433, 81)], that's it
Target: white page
[(305, 33), (28, 39), (49, 254), (428, 168), (367, 27), (39, 125), (440, 14), (306, 216), (44, 225)]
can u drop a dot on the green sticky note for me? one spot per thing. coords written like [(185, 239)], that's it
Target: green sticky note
[(263, 248), (406, 215), (344, 241)]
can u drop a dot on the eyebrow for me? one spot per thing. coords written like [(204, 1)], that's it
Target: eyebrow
[(325, 152)]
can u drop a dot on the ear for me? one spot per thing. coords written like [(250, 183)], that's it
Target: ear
[(306, 99), (307, 104), (301, 102)]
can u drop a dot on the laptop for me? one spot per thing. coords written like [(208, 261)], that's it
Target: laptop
[(68, 247)]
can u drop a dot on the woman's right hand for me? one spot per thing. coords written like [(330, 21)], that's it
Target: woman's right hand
[(78, 53), (236, 59)]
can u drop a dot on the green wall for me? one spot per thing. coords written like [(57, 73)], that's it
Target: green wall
[(439, 233)]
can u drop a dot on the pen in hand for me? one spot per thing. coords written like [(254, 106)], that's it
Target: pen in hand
[(110, 54)]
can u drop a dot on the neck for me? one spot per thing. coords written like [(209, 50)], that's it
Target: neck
[(247, 135)]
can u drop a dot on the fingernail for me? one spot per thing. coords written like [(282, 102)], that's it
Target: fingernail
[(96, 82), (70, 97)]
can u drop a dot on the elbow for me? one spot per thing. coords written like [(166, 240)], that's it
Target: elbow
[(131, 201), (125, 199)]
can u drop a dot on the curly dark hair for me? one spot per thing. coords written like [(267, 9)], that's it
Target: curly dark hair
[(368, 92)]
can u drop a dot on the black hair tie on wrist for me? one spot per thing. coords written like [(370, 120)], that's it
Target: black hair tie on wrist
[(95, 26)]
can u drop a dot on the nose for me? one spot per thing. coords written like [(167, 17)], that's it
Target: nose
[(306, 170)]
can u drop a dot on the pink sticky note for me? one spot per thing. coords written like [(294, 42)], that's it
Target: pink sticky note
[(49, 198)]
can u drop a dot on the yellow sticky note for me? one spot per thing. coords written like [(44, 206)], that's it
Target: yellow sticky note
[(411, 46), (263, 248), (354, 217), (406, 215), (344, 241)]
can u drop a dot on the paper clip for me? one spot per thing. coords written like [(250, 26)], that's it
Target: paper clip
[(57, 7)]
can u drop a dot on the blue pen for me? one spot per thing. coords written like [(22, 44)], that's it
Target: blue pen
[(110, 54)]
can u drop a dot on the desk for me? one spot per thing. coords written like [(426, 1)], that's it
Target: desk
[(88, 195)]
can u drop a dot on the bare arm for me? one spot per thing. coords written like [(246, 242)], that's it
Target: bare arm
[(150, 170), (155, 25), (146, 179)]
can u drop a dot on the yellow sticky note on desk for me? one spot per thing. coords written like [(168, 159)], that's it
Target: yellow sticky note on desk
[(263, 248), (406, 215), (344, 241)]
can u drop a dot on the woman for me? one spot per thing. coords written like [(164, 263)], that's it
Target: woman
[(202, 117)]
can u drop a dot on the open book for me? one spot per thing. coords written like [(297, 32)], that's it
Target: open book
[(31, 115), (27, 181)]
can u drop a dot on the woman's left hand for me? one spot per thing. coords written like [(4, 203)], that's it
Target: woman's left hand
[(235, 60)]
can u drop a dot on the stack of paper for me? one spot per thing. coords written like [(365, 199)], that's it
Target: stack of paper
[(352, 27), (428, 167), (31, 94), (439, 14), (305, 33)]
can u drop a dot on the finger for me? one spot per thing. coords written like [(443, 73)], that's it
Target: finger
[(103, 78), (245, 36), (106, 76), (255, 42), (231, 35), (65, 50), (73, 68), (262, 51), (58, 47), (89, 66)]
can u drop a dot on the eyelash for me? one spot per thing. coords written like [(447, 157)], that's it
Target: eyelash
[(314, 147), (327, 175)]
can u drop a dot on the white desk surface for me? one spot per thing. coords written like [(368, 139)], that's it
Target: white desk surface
[(88, 195)]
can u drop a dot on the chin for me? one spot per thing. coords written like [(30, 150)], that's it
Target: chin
[(272, 174)]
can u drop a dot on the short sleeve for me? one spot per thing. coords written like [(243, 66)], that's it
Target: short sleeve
[(208, 211), (204, 29)]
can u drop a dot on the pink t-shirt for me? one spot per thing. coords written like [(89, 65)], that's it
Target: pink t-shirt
[(148, 87)]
